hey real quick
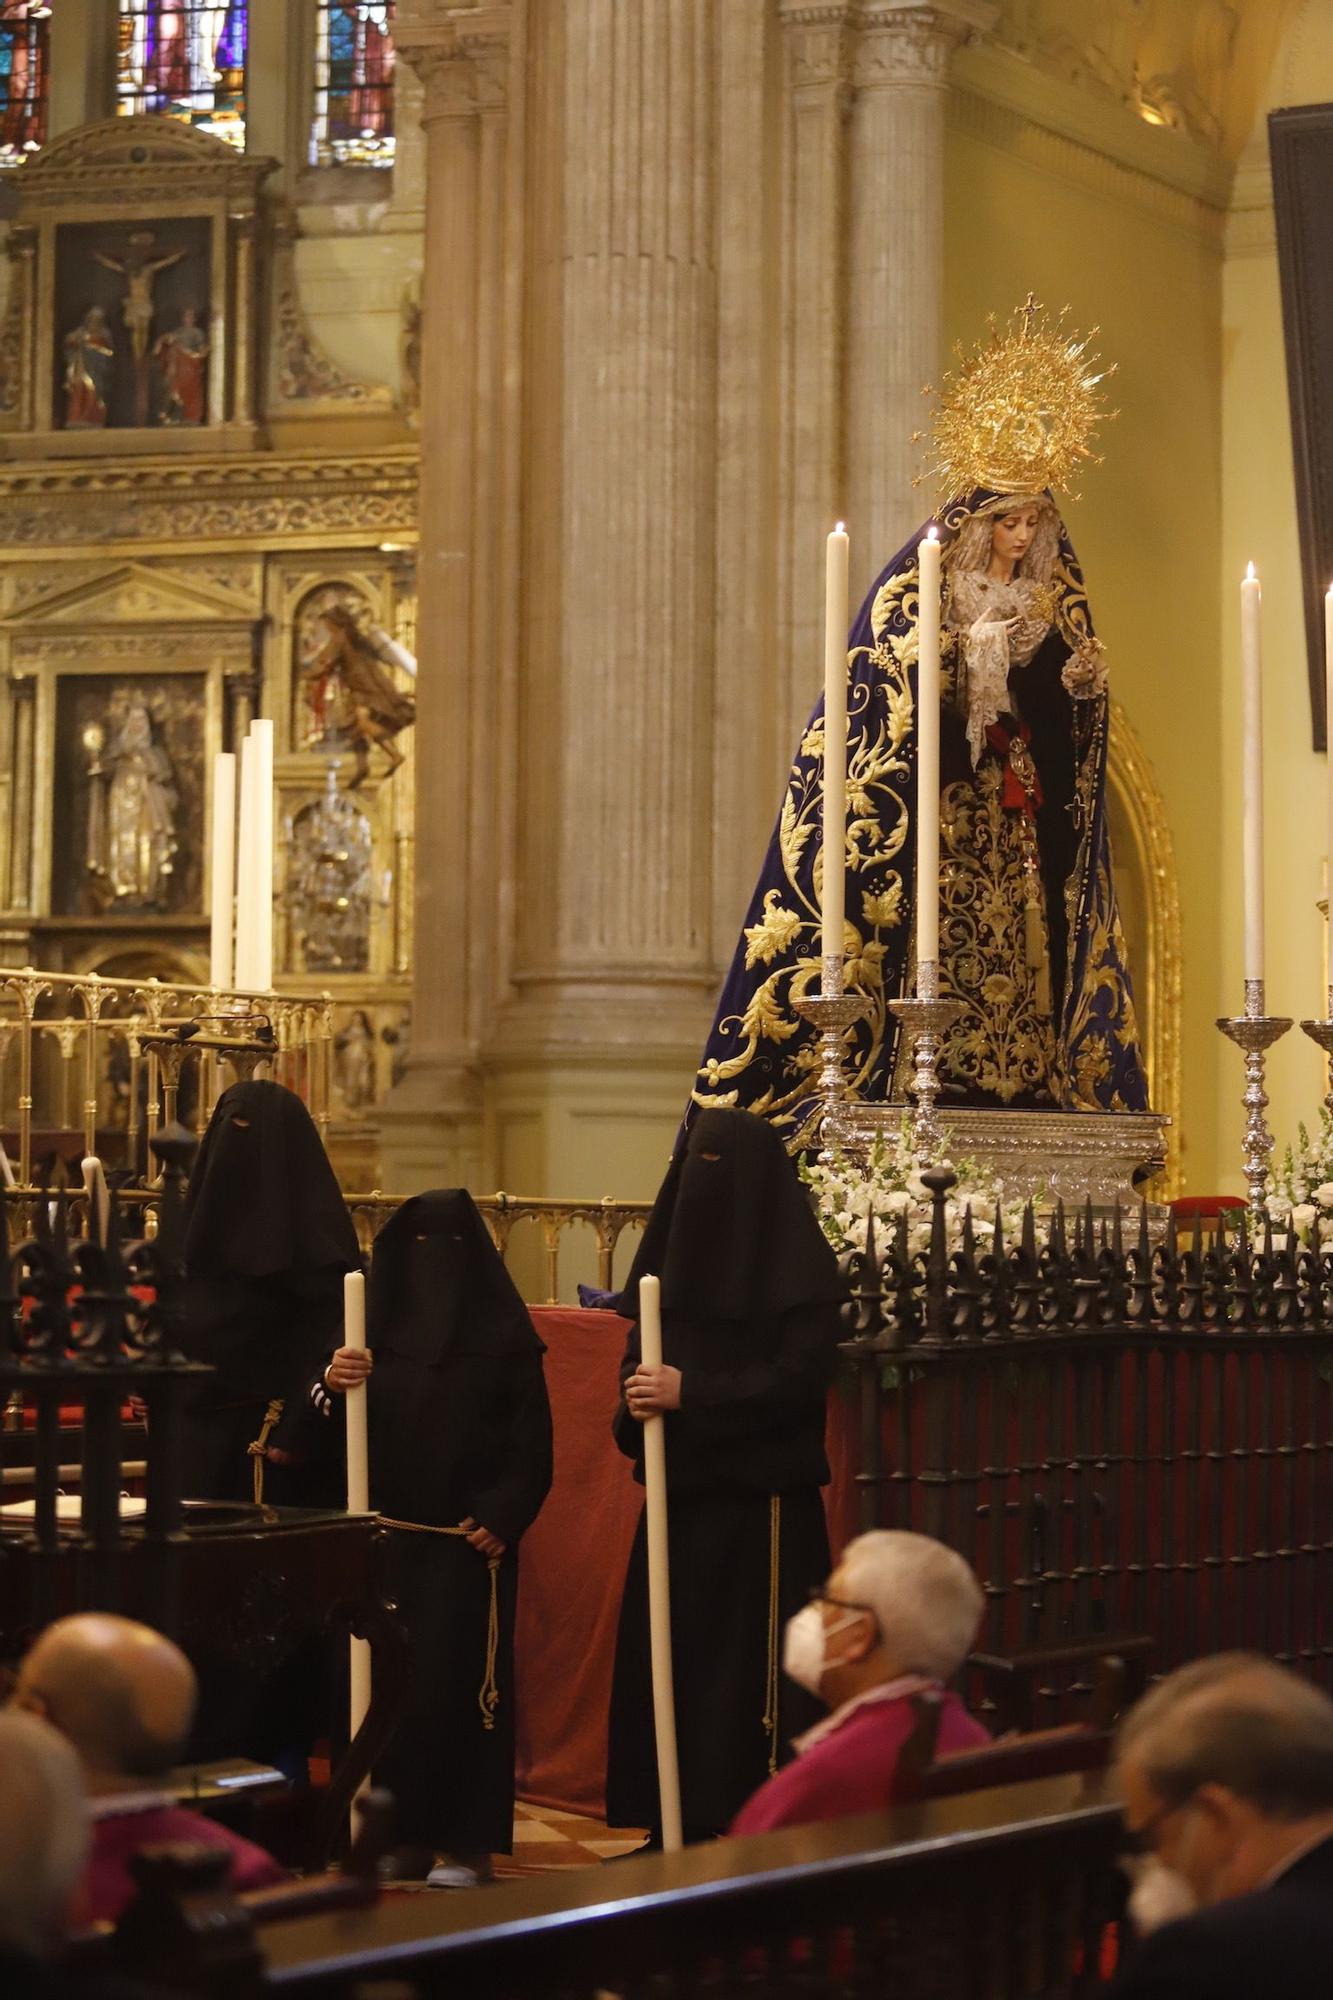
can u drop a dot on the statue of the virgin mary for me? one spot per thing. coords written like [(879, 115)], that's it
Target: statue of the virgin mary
[(1030, 940)]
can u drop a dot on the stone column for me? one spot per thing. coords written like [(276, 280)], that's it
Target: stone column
[(811, 456), (899, 68), (612, 973), (432, 1123)]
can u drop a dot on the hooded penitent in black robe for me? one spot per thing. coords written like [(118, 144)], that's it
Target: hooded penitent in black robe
[(460, 1427), (268, 1240), (750, 1315)]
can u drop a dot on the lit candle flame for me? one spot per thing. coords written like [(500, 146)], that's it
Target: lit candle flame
[(1251, 575), (841, 528), (932, 533)]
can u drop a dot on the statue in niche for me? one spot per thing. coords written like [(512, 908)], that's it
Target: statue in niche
[(182, 356), (330, 883), (139, 269), (349, 689), (89, 356), (354, 1061), (132, 807)]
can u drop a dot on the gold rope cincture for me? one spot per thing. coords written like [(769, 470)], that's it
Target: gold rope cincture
[(489, 1698), (773, 1689), (257, 1450)]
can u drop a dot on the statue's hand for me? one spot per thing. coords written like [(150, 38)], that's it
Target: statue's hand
[(1084, 673)]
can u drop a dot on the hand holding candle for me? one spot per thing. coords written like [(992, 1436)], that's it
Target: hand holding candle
[(835, 755)]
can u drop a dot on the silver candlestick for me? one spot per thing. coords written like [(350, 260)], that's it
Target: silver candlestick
[(1322, 1032), (926, 1018), (832, 1011), (1255, 1032)]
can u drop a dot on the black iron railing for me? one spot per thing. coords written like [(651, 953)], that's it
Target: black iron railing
[(1124, 1435)]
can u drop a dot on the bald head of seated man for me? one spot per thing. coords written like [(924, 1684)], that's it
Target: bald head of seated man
[(123, 1696), (43, 1846)]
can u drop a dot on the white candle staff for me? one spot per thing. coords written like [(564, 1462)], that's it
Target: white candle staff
[(222, 911), (358, 1476), (659, 1577), (834, 812)]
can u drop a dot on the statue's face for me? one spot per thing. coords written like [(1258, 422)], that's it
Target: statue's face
[(138, 730), (1011, 536)]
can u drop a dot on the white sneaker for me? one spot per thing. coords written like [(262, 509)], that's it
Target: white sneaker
[(452, 1875)]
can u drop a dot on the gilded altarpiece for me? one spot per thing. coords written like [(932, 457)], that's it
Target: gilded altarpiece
[(171, 565), (138, 255)]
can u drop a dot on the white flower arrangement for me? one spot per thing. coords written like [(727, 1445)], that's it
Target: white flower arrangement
[(888, 1185), (1302, 1188)]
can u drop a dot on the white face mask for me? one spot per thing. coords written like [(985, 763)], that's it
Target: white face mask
[(804, 1642), (1159, 1896)]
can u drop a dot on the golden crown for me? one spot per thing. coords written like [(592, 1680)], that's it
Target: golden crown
[(1017, 414)]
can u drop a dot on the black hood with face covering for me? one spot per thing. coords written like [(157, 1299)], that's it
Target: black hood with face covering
[(263, 1198), (732, 1233), (438, 1285)]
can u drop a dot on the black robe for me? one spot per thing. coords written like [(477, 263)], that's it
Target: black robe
[(268, 1240), (751, 1300), (459, 1426)]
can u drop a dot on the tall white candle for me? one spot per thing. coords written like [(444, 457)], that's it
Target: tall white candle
[(99, 1199), (1252, 791), (835, 744), (659, 1576), (223, 871), (261, 731), (1328, 738), (244, 962), (928, 756)]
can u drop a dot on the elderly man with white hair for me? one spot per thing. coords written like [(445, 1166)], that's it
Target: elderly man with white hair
[(896, 1617), (43, 1841)]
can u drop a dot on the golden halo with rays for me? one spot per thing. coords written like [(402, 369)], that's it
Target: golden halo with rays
[(1017, 414)]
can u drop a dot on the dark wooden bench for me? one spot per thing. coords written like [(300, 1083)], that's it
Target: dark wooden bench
[(1009, 1893)]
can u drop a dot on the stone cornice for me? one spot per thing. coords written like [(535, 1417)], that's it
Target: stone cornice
[(305, 498), (1184, 165)]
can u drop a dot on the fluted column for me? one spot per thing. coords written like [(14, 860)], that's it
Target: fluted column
[(612, 909), (463, 55), (811, 454), (900, 71)]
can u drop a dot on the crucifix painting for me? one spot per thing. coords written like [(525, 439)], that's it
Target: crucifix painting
[(145, 293)]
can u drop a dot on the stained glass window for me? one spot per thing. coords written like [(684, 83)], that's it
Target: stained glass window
[(185, 60), (25, 70), (353, 124)]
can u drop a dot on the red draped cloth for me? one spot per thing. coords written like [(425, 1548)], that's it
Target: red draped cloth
[(573, 1561)]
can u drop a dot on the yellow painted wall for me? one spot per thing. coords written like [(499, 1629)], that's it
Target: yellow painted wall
[(1259, 525), (1028, 213)]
